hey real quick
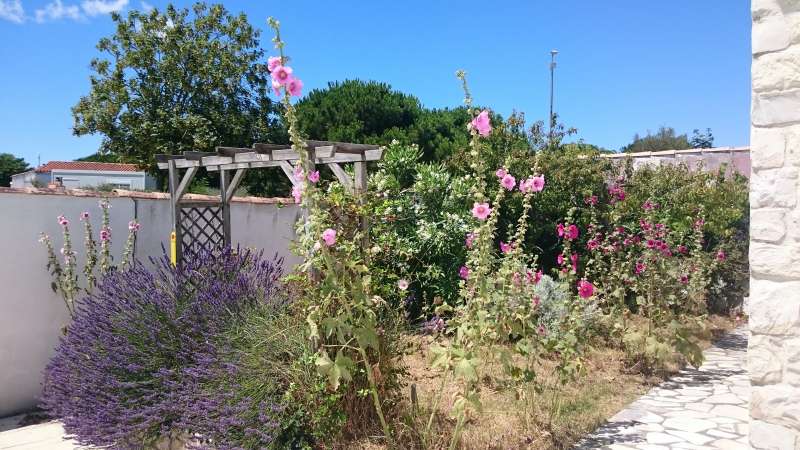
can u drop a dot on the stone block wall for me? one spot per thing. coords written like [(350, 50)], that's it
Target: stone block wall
[(774, 348)]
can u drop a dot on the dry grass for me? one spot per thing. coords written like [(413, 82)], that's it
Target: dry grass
[(521, 418)]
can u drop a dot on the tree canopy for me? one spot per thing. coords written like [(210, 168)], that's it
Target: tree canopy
[(374, 113), (665, 139), (175, 81), (10, 165)]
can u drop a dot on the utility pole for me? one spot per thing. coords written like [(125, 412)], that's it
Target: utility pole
[(553, 54)]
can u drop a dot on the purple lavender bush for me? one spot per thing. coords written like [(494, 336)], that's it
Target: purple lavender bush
[(146, 357)]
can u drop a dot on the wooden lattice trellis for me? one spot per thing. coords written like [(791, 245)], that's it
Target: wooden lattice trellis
[(207, 225)]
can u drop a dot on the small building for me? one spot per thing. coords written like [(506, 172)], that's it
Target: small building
[(85, 174)]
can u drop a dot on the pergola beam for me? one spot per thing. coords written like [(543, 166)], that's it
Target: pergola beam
[(261, 155)]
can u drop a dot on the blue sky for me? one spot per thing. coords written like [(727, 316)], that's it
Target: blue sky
[(624, 66)]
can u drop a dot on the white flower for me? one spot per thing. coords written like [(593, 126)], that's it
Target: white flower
[(402, 284)]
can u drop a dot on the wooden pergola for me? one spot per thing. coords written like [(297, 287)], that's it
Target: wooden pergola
[(207, 224)]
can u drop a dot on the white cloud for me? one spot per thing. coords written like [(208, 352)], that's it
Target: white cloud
[(57, 10), (12, 11), (147, 7), (96, 7)]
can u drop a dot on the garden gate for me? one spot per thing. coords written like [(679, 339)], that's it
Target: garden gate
[(206, 224)]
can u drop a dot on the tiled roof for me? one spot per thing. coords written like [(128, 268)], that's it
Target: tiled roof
[(87, 165)]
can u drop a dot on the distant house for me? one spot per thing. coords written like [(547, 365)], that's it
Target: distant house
[(84, 174)]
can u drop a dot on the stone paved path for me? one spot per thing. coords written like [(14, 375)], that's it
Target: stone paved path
[(705, 408)]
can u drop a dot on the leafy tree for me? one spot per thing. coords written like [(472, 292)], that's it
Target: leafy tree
[(702, 140), (358, 111), (177, 81), (665, 139), (10, 165)]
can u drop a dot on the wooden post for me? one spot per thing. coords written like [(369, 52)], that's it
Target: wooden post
[(224, 203), (174, 200), (360, 188)]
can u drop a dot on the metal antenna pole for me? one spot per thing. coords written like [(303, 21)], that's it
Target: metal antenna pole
[(553, 54)]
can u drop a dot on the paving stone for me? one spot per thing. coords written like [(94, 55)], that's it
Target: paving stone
[(689, 424), (662, 438), (692, 438), (727, 444)]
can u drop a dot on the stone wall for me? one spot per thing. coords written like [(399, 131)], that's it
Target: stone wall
[(774, 349)]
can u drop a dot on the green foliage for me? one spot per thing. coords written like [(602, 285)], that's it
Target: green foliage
[(177, 80), (664, 139), (357, 111), (422, 220), (10, 165), (702, 140), (270, 348), (373, 112)]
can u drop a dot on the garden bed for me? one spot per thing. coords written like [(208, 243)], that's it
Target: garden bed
[(555, 419)]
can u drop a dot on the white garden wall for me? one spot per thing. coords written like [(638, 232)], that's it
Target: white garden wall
[(31, 315), (774, 349)]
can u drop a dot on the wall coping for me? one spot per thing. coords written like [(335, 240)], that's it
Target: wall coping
[(690, 151), (122, 193)]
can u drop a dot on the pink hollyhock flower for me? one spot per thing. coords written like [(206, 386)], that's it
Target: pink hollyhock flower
[(560, 230), (537, 183), (329, 236), (105, 234), (591, 200), (481, 210), (560, 259), (721, 256), (463, 272), (402, 284), (482, 123), (541, 330), (574, 258), (682, 249), (84, 215), (585, 289), (295, 87), (297, 193), (134, 226), (508, 182), (648, 205), (505, 248), (627, 242), (314, 176), (273, 62), (592, 244), (651, 243), (63, 221), (640, 267), (500, 173), (684, 279), (470, 241), (516, 279), (699, 223), (282, 74), (276, 88), (536, 301), (538, 277), (298, 173), (572, 232)]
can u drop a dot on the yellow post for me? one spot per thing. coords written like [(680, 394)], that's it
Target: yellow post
[(173, 249)]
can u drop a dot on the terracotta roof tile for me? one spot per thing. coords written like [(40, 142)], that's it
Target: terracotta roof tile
[(87, 165)]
